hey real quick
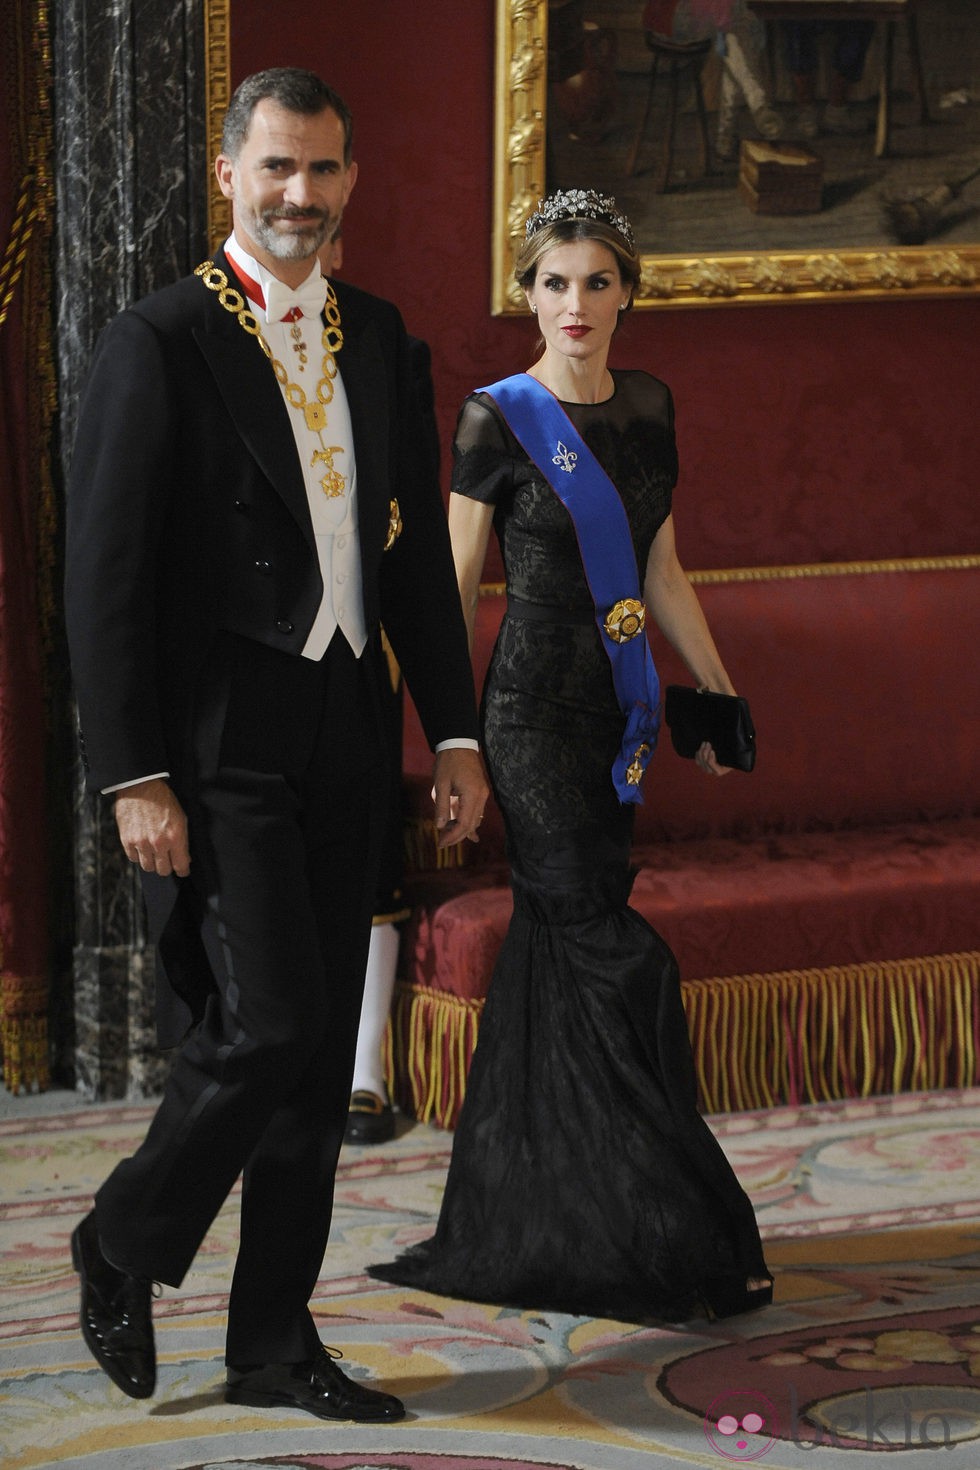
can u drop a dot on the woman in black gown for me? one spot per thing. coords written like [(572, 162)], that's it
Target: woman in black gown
[(583, 1178)]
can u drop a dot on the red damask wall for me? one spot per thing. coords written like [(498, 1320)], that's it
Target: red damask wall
[(821, 432)]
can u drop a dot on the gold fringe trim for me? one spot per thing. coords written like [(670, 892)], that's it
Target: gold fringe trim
[(25, 215), (759, 1041), (422, 852), (24, 1032), (796, 1036), (24, 1042), (431, 1039)]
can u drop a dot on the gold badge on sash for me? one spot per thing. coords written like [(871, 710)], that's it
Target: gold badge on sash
[(636, 767), (625, 619)]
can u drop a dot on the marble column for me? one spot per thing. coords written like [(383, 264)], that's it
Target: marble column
[(131, 150)]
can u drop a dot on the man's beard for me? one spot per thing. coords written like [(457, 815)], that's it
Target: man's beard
[(300, 244)]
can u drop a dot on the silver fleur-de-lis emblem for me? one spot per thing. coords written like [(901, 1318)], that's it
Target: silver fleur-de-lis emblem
[(565, 457)]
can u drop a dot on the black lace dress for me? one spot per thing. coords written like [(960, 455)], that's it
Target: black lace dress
[(583, 1178)]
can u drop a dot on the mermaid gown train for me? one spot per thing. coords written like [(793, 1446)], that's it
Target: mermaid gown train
[(583, 1178)]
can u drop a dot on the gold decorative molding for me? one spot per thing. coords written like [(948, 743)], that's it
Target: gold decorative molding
[(835, 569), (217, 83), (520, 133), (720, 575), (671, 280)]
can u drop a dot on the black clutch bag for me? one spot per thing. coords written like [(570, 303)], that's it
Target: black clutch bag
[(696, 715)]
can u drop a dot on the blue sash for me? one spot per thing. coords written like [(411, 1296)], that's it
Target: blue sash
[(553, 443)]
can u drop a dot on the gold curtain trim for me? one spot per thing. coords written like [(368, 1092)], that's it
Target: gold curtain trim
[(430, 1041), (15, 255), (759, 1041), (24, 1033), (720, 575), (796, 1036), (422, 853), (26, 262), (26, 266)]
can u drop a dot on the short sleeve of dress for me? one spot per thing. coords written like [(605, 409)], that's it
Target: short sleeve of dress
[(483, 452)]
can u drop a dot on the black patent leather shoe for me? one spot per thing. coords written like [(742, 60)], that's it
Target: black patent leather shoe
[(318, 1386), (369, 1119), (116, 1318)]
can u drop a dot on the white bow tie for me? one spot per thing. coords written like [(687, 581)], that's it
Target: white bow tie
[(280, 299)]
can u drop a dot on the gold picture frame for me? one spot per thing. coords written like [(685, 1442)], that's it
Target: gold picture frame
[(217, 84), (680, 279)]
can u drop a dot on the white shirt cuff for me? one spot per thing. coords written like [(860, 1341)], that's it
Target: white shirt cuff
[(157, 776), (461, 744)]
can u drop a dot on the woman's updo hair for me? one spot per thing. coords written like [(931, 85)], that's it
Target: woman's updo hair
[(578, 214)]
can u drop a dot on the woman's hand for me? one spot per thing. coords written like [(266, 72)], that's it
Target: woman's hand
[(706, 759)]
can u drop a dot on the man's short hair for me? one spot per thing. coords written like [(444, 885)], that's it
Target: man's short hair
[(294, 89)]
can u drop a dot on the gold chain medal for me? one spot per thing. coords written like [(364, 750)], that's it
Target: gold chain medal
[(314, 410), (636, 767), (231, 300), (332, 484), (333, 341)]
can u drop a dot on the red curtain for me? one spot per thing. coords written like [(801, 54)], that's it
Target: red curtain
[(27, 538)]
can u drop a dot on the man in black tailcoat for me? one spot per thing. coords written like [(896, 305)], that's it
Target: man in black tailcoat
[(247, 505)]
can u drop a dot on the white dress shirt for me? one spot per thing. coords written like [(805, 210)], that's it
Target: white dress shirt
[(334, 518)]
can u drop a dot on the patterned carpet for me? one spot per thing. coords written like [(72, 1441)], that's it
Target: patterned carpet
[(870, 1210)]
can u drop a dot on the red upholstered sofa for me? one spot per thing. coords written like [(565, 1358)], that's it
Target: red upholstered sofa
[(825, 910)]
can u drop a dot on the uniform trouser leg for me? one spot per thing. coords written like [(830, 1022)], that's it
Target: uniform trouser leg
[(284, 866)]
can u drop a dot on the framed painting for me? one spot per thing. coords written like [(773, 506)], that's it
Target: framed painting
[(765, 150), (217, 83)]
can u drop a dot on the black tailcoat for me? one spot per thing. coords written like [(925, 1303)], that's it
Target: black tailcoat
[(192, 586), (187, 517)]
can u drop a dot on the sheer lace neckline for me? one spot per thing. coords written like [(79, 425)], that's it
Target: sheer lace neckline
[(576, 402)]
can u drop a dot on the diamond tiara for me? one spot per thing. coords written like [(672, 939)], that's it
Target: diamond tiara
[(579, 204)]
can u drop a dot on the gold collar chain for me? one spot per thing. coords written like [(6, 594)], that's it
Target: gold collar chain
[(314, 410)]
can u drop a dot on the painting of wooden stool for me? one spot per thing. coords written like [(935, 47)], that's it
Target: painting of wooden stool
[(680, 59)]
